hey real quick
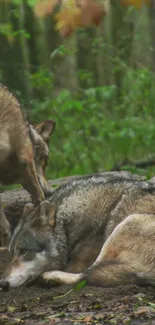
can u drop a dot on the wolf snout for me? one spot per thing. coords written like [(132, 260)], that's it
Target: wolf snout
[(4, 285), (48, 192)]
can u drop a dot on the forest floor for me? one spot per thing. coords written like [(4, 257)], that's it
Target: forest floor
[(40, 306), (35, 305)]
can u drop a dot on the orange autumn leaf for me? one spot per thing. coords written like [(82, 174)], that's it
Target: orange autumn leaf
[(66, 31), (45, 7), (92, 14), (68, 17), (72, 14), (136, 3), (87, 319)]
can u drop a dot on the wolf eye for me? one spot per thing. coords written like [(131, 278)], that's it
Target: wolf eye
[(37, 249)]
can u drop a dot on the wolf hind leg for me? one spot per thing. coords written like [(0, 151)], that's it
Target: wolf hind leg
[(125, 258), (114, 273), (5, 229)]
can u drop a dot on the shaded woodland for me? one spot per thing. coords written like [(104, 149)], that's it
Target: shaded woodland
[(98, 85)]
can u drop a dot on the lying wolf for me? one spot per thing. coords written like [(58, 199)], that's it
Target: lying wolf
[(100, 229), (23, 153)]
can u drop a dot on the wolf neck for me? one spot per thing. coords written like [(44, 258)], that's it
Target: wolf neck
[(81, 213)]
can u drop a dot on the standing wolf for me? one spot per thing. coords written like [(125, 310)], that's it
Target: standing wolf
[(108, 218), (23, 153)]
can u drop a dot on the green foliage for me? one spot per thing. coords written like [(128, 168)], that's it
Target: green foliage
[(30, 2), (41, 79), (80, 285), (94, 130)]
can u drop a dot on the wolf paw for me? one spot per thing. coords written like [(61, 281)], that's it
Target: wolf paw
[(61, 277), (50, 278)]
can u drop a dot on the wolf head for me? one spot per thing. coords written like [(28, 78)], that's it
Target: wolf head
[(40, 135), (33, 246)]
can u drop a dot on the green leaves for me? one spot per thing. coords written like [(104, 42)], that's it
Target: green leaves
[(95, 131), (80, 285)]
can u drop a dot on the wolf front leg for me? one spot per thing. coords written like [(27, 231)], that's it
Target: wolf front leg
[(28, 174), (108, 274), (60, 277), (5, 229)]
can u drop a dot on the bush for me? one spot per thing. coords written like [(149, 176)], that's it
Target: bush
[(95, 130)]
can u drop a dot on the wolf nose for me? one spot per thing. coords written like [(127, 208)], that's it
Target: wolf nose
[(4, 285), (48, 192)]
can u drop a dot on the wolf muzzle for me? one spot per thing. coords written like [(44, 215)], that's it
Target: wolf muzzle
[(4, 285)]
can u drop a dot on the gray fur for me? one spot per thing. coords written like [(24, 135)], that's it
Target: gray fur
[(71, 228)]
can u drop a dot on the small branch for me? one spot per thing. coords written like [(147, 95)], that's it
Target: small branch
[(64, 295), (140, 164)]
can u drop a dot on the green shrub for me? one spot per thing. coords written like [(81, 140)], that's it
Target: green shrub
[(94, 130)]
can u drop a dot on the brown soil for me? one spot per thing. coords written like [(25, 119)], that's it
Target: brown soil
[(36, 305), (91, 305)]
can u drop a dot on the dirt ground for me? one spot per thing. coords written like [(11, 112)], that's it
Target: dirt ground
[(39, 306), (36, 305)]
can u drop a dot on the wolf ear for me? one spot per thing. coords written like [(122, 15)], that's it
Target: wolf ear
[(46, 213), (28, 208), (45, 129)]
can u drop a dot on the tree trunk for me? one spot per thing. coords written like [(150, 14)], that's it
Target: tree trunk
[(86, 59), (11, 53), (53, 41), (37, 46), (152, 26), (25, 54), (14, 53), (122, 39)]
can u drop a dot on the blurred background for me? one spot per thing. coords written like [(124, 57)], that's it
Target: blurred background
[(98, 84)]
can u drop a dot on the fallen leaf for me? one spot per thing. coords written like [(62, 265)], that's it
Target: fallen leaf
[(145, 310), (80, 285), (87, 319), (11, 309), (99, 316), (151, 304), (4, 316), (17, 320), (97, 306)]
